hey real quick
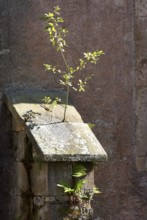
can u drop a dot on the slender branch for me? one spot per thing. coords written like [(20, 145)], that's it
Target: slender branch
[(67, 86), (67, 98), (64, 59)]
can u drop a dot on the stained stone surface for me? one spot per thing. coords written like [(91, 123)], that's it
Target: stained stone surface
[(141, 84), (28, 105), (109, 100), (67, 142), (53, 139)]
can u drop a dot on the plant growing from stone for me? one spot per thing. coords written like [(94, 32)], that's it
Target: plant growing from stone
[(57, 33), (80, 195)]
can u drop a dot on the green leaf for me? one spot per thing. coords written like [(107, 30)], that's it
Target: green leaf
[(52, 102), (79, 171), (50, 24), (66, 187), (96, 190), (47, 100), (81, 85), (91, 125), (80, 185), (60, 20), (50, 15), (56, 101), (57, 8), (52, 68)]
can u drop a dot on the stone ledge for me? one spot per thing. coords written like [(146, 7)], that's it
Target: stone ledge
[(28, 103), (52, 139), (66, 142)]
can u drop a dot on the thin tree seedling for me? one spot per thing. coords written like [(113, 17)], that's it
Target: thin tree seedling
[(57, 34)]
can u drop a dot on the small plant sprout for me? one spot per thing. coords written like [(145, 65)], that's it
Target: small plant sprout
[(50, 102), (91, 125), (57, 34), (78, 172), (79, 194)]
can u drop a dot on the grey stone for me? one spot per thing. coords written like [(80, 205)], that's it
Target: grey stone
[(109, 96), (141, 140), (58, 173), (38, 201), (21, 179), (22, 102), (22, 207), (55, 199), (42, 213), (141, 163), (66, 142), (141, 8), (17, 124), (141, 83), (53, 139), (19, 145), (50, 211), (39, 178)]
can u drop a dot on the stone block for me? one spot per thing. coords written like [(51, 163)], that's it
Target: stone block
[(21, 179), (141, 149), (58, 211), (58, 172), (141, 163), (141, 8), (50, 211), (57, 199), (21, 208), (66, 142), (141, 37), (141, 77), (39, 178), (49, 134), (31, 101), (89, 179), (42, 213), (38, 201), (19, 144), (17, 124)]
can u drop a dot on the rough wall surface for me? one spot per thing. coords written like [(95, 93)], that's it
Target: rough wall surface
[(141, 82), (109, 101), (6, 165)]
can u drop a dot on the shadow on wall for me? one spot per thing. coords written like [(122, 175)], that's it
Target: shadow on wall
[(6, 165)]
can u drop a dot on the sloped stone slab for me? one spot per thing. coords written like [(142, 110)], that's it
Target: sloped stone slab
[(52, 139), (66, 142)]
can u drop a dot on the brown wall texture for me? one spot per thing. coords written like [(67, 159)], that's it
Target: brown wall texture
[(115, 99)]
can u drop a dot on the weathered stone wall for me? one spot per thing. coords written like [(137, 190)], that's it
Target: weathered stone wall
[(6, 165), (141, 83), (110, 99)]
